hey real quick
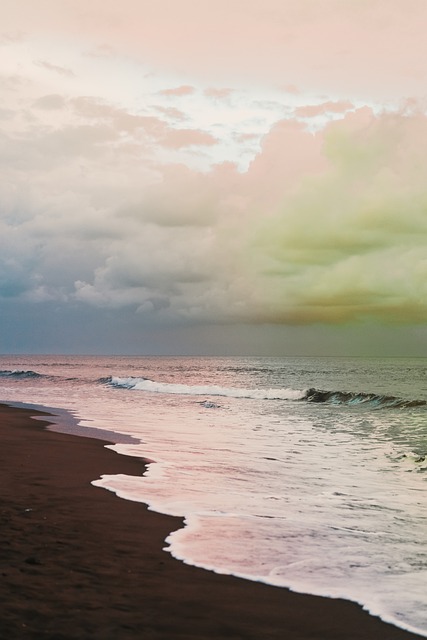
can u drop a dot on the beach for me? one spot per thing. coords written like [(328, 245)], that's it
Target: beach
[(79, 562)]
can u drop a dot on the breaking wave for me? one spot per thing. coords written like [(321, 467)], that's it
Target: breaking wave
[(17, 373), (348, 398), (143, 384), (351, 398)]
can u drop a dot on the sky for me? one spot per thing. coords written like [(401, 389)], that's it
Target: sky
[(238, 177)]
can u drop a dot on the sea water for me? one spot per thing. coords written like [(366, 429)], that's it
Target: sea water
[(307, 473)]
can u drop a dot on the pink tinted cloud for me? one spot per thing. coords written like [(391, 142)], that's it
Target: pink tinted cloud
[(289, 154), (184, 90), (311, 111), (291, 88), (217, 94), (179, 138), (171, 112), (372, 49), (246, 137)]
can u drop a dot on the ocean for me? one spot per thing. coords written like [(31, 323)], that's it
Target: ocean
[(306, 473)]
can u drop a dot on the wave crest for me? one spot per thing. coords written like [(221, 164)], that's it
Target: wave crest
[(17, 373), (143, 384), (348, 398), (352, 398)]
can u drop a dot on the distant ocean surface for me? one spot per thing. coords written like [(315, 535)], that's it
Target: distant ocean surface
[(307, 473)]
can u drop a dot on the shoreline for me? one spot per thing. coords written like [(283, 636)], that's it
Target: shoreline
[(79, 562)]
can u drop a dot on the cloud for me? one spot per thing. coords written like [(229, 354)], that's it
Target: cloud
[(96, 109), (68, 73), (327, 227), (171, 113), (279, 44), (101, 51), (356, 49), (98, 207), (311, 111), (151, 126), (291, 88), (50, 102), (8, 38), (6, 114), (217, 94), (246, 137), (184, 90), (349, 243), (340, 239), (179, 138), (13, 82)]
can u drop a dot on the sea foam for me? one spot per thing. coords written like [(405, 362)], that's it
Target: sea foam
[(143, 384)]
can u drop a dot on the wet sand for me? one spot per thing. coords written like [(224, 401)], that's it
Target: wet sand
[(78, 562)]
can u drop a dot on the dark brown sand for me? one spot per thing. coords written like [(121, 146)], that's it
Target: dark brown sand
[(78, 562)]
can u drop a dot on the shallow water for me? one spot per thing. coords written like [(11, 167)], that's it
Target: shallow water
[(324, 493)]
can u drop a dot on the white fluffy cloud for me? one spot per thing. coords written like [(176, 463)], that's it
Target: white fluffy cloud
[(115, 193), (339, 239), (325, 227)]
